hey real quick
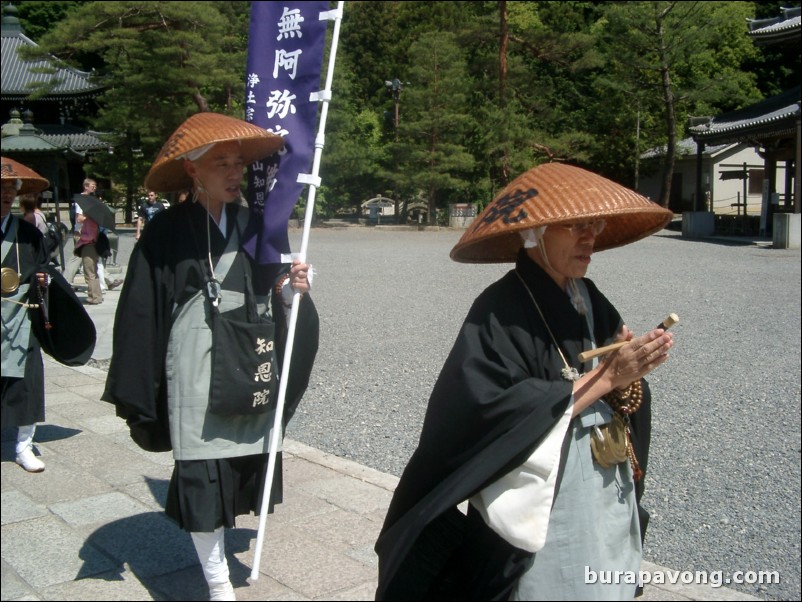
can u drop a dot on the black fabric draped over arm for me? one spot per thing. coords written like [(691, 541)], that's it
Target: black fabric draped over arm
[(498, 395), (164, 270)]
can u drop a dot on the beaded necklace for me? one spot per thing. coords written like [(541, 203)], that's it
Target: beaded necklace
[(625, 403)]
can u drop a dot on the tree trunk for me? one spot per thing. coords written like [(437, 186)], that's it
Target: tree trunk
[(637, 152), (671, 145), (432, 206), (201, 102), (502, 88), (502, 54), (671, 118)]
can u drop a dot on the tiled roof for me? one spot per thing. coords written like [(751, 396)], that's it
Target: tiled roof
[(769, 117), (778, 29), (686, 146), (53, 137), (18, 76), (28, 143), (76, 138)]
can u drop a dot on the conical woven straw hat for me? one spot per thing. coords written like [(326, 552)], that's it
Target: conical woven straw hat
[(31, 181), (556, 193), (167, 173)]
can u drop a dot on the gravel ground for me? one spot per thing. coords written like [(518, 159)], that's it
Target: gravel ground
[(724, 480)]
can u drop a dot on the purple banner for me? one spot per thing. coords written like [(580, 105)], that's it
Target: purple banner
[(285, 56)]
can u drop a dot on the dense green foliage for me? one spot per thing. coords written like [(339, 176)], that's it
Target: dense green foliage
[(489, 89)]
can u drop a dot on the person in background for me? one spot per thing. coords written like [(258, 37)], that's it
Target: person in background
[(187, 265), (32, 212), (85, 248), (31, 206), (76, 261), (147, 211), (106, 283), (549, 452), (104, 251)]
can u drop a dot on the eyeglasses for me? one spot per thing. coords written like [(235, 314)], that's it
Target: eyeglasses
[(581, 228)]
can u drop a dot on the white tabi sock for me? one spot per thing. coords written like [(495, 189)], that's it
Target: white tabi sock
[(25, 437), (211, 551)]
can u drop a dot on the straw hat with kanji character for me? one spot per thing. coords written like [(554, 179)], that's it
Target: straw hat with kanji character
[(200, 131), (556, 193), (30, 181)]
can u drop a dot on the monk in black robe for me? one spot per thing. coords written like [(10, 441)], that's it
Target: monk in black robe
[(40, 312), (189, 281), (511, 377)]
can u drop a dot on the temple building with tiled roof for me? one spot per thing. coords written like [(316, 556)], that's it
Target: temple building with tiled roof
[(770, 123), (43, 106), (772, 126), (784, 29)]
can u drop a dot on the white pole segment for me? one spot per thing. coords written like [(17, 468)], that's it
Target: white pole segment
[(314, 181)]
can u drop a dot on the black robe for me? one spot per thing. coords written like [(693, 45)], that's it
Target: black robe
[(68, 334), (167, 267), (499, 393)]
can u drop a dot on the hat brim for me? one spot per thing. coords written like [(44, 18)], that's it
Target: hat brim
[(556, 193), (168, 174), (31, 181)]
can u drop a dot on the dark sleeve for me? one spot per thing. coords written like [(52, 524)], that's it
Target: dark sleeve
[(494, 385), (63, 328), (641, 434), (304, 349), (495, 399), (60, 324), (136, 382)]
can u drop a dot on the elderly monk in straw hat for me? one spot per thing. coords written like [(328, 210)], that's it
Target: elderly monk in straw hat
[(518, 426), (179, 375), (40, 312)]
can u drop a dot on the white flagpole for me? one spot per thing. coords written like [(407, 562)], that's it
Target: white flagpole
[(314, 182)]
